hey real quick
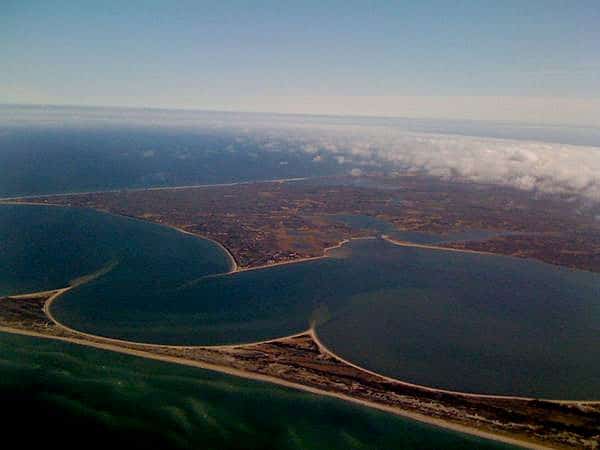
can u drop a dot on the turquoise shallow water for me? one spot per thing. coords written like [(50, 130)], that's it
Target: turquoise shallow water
[(459, 321), (86, 398)]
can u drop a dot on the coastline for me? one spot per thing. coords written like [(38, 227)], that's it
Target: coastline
[(154, 188), (288, 384), (326, 250), (310, 331), (233, 263), (116, 345), (235, 267), (391, 240), (222, 362)]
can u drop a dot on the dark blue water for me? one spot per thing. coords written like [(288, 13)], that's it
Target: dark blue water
[(474, 323), (459, 321), (46, 247), (42, 160)]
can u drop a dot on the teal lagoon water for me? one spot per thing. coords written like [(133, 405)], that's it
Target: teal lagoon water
[(459, 321), (79, 397)]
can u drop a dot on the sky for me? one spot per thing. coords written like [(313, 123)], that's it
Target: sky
[(536, 61)]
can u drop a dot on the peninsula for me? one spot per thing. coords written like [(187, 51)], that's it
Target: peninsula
[(265, 223)]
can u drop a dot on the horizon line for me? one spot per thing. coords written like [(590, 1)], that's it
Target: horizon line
[(528, 124)]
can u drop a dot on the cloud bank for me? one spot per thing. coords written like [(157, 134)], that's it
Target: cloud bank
[(359, 145), (528, 165)]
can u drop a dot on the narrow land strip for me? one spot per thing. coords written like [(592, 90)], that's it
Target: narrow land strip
[(302, 362), (435, 247), (154, 188), (281, 382)]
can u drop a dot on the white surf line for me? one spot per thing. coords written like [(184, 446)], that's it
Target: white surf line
[(157, 188)]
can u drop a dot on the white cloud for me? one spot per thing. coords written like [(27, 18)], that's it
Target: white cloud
[(381, 144), (529, 165)]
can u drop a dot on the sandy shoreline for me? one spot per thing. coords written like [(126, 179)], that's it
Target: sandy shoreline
[(234, 266), (311, 331), (326, 250), (115, 345), (436, 247), (123, 346), (280, 382)]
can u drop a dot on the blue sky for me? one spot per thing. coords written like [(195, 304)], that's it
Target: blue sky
[(531, 60)]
